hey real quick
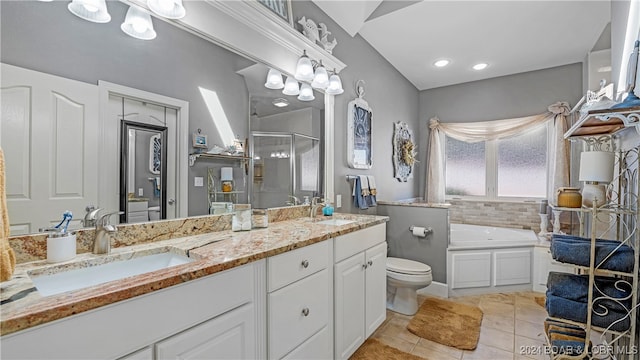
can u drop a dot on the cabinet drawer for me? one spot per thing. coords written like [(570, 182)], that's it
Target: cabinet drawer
[(138, 206), (291, 266), (318, 346), (288, 324), (358, 241)]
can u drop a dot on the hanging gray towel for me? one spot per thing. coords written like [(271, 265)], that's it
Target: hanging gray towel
[(358, 200)]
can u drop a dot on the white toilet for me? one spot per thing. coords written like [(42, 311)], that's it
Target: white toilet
[(404, 278), (154, 213)]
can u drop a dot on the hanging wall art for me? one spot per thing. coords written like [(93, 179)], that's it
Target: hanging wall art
[(404, 151), (359, 116)]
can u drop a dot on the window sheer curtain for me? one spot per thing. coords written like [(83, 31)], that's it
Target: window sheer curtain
[(557, 157)]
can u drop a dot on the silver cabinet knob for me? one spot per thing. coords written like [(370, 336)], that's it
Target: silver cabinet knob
[(171, 201), (305, 311), (305, 263), (370, 262), (365, 266)]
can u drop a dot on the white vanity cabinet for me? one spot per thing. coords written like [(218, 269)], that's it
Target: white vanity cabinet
[(299, 303), (360, 287), (220, 316)]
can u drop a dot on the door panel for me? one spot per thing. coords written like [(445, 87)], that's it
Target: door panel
[(376, 287), (349, 306), (49, 133)]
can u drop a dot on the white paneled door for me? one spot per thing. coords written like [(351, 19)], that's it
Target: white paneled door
[(49, 134)]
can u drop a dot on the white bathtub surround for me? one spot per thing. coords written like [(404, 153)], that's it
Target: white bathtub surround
[(483, 259)]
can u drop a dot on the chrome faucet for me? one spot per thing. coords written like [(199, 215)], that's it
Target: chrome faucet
[(104, 231), (91, 216), (295, 201), (316, 203)]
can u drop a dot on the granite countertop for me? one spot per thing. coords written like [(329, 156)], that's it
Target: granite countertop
[(22, 307), (415, 203)]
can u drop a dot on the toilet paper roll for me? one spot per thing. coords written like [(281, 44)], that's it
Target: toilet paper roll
[(419, 231)]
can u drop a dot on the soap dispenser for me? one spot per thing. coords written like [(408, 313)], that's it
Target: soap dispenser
[(327, 210)]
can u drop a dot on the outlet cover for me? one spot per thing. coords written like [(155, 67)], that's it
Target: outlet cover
[(198, 181), (338, 201), (140, 192)]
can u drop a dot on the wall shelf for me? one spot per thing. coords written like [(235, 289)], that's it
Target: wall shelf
[(194, 157), (605, 122)]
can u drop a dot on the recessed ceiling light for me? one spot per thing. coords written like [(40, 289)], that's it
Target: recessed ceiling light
[(280, 102), (480, 66), (441, 63)]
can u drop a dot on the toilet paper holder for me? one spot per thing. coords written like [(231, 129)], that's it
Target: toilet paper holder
[(427, 230)]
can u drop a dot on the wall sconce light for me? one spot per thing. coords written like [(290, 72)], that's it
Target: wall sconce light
[(274, 80), (304, 69), (335, 85), (90, 10), (291, 87), (138, 24), (170, 9), (306, 93), (595, 167), (320, 78)]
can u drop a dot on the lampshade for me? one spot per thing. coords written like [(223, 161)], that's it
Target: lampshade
[(306, 93), (274, 80), (90, 10), (596, 166), (170, 9), (304, 69), (321, 78), (291, 87), (138, 24), (335, 85)]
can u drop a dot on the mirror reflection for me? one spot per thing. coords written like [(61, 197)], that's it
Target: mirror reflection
[(143, 172), (285, 144)]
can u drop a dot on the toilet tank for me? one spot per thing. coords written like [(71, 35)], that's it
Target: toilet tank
[(430, 250)]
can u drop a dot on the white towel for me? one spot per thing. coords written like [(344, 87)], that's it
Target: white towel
[(372, 185), (364, 182)]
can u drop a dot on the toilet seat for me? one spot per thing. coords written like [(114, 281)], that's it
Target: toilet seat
[(406, 266)]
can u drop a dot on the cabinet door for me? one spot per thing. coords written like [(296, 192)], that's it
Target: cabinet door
[(471, 269), (375, 288), (349, 305), (512, 267), (228, 336), (144, 354)]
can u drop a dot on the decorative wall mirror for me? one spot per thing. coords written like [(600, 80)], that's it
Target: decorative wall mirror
[(359, 116)]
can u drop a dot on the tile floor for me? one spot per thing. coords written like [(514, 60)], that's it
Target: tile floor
[(512, 323)]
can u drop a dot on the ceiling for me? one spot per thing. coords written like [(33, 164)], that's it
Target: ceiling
[(511, 36)]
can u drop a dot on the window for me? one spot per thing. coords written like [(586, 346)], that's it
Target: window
[(514, 167)]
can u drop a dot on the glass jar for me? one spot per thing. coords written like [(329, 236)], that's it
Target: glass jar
[(227, 186)]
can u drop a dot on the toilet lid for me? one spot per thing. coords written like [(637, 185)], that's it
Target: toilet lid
[(406, 266)]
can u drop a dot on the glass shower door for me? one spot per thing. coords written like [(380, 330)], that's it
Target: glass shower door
[(272, 170), (307, 166)]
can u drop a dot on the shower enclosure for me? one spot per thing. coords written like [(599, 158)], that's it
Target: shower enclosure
[(285, 165)]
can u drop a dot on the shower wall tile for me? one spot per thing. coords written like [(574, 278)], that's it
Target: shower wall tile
[(522, 215)]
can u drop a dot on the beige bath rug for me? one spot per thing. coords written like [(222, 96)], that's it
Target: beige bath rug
[(373, 349), (448, 323)]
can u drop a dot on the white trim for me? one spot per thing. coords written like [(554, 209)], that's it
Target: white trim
[(435, 289), (329, 147), (108, 179)]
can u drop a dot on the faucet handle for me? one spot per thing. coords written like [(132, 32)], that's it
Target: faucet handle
[(317, 200), (104, 219)]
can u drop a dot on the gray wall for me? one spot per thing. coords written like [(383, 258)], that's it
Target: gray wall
[(431, 250), (391, 96), (503, 97), (46, 37)]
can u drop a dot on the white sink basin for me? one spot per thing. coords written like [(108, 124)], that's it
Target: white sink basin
[(75, 279), (335, 222)]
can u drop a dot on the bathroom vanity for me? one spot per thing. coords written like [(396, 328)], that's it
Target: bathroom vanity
[(267, 293)]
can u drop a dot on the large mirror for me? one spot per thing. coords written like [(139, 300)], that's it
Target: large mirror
[(177, 64), (285, 144)]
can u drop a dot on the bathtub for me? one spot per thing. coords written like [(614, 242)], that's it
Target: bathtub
[(485, 259), (464, 236)]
